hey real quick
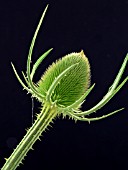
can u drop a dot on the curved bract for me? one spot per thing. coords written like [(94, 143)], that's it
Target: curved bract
[(62, 89)]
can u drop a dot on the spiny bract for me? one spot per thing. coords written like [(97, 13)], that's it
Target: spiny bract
[(72, 86)]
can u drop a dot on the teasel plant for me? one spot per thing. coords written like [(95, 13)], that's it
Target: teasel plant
[(61, 90)]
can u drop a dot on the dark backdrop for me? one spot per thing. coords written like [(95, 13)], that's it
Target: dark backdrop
[(100, 28)]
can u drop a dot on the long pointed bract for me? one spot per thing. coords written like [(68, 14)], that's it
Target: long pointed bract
[(103, 101), (38, 62), (19, 79), (111, 92), (31, 50), (119, 75), (92, 119)]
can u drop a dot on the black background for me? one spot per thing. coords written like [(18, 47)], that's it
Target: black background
[(100, 28)]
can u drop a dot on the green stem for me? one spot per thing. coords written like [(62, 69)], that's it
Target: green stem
[(43, 120)]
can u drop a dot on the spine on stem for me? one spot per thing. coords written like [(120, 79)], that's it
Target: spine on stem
[(46, 116)]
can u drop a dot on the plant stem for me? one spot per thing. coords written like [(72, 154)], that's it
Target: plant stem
[(43, 120)]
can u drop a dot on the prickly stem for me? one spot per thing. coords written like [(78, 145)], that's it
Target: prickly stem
[(33, 134)]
